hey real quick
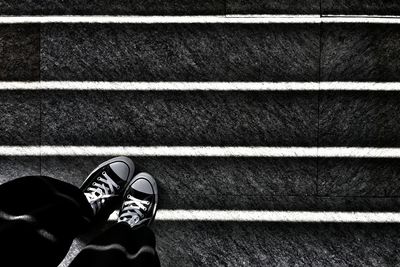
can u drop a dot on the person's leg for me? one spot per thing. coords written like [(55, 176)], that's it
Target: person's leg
[(120, 246), (39, 217), (129, 242)]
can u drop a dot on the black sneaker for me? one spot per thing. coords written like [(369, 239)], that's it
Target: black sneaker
[(140, 200), (107, 182)]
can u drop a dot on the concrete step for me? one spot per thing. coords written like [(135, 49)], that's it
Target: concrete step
[(358, 177), (272, 7), (20, 118), (359, 119), (14, 167), (190, 7), (200, 118), (179, 118), (180, 52), (19, 54), (104, 7), (158, 118), (292, 184), (258, 183), (360, 52), (210, 183), (218, 52), (157, 7), (271, 244), (257, 244), (228, 52), (361, 7)]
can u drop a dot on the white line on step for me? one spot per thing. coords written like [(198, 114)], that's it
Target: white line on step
[(274, 216), (360, 16), (159, 86), (234, 18), (201, 151), (201, 86), (359, 86)]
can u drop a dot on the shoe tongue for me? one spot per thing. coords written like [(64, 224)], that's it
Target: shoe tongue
[(114, 176), (140, 195)]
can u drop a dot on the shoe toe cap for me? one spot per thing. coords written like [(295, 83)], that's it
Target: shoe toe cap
[(144, 186), (120, 169)]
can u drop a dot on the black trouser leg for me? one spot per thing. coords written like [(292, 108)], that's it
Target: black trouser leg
[(120, 246), (39, 218)]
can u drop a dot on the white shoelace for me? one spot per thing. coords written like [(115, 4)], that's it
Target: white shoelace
[(99, 191), (132, 210)]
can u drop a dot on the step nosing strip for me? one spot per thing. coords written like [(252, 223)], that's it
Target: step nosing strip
[(202, 151), (201, 86), (231, 18), (274, 216)]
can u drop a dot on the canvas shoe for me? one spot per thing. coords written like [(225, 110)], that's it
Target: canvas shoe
[(139, 202), (107, 182)]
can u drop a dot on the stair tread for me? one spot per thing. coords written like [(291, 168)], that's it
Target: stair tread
[(191, 7), (20, 118), (180, 52), (368, 52), (19, 57), (229, 52), (243, 183), (361, 7), (179, 118), (157, 7), (272, 244), (131, 118), (273, 7), (359, 119)]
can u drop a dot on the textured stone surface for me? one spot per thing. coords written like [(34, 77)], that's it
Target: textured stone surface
[(191, 7), (179, 118), (249, 183), (273, 7), (104, 7), (359, 177), (360, 52), (157, 7), (15, 167), (359, 119), (346, 203), (273, 244), (361, 7), (180, 52), (257, 244), (203, 183), (279, 203), (19, 52), (20, 118), (219, 53)]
